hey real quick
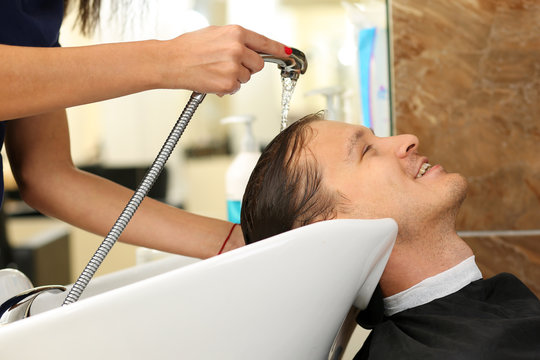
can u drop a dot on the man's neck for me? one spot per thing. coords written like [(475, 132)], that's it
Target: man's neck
[(416, 257)]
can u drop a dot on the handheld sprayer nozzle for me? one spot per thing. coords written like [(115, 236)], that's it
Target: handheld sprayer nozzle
[(291, 66)]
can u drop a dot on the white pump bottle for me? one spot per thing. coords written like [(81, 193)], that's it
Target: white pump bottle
[(240, 170)]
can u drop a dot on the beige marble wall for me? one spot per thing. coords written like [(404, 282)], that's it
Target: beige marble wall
[(516, 255), (467, 83)]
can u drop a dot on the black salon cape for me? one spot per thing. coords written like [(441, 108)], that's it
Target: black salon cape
[(497, 318)]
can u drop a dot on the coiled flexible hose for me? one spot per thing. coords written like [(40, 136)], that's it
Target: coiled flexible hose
[(142, 190)]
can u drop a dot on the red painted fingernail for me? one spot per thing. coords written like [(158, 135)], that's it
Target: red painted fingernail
[(288, 50)]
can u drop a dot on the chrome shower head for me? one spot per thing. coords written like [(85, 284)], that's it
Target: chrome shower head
[(291, 66)]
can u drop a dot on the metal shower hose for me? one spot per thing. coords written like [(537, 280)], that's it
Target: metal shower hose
[(143, 189)]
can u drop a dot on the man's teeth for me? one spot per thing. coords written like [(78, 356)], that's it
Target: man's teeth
[(425, 167)]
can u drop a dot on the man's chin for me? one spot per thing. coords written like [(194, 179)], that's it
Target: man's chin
[(457, 189)]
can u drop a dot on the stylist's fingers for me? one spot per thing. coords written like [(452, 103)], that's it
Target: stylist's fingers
[(262, 44), (252, 61), (243, 75)]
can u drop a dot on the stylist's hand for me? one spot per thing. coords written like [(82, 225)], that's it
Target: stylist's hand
[(216, 59)]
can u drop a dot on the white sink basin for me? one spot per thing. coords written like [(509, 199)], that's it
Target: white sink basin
[(281, 298)]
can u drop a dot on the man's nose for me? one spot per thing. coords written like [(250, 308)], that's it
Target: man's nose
[(406, 144)]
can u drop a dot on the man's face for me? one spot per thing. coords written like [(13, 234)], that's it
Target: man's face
[(383, 177)]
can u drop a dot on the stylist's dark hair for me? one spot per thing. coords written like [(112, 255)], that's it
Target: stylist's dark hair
[(285, 190), (88, 14)]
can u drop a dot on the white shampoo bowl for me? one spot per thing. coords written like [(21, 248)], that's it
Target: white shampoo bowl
[(281, 298)]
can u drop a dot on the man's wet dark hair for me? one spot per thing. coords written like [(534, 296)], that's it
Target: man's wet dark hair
[(285, 190)]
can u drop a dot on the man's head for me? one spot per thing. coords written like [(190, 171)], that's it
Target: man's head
[(318, 170), (285, 189)]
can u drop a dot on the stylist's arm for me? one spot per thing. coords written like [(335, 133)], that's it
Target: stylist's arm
[(212, 60), (39, 153)]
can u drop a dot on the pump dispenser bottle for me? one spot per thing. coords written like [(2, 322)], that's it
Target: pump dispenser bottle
[(240, 169)]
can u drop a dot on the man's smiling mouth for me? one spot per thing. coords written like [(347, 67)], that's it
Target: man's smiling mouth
[(425, 167)]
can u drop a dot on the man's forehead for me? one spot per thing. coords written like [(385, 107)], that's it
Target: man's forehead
[(335, 130), (332, 138), (338, 125)]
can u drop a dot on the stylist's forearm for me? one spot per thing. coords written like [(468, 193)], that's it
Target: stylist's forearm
[(38, 80), (95, 203)]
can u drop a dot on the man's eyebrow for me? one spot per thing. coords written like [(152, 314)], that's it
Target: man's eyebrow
[(352, 142)]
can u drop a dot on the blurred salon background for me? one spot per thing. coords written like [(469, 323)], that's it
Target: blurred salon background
[(462, 75)]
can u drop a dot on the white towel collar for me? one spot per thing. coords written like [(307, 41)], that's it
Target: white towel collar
[(435, 287)]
